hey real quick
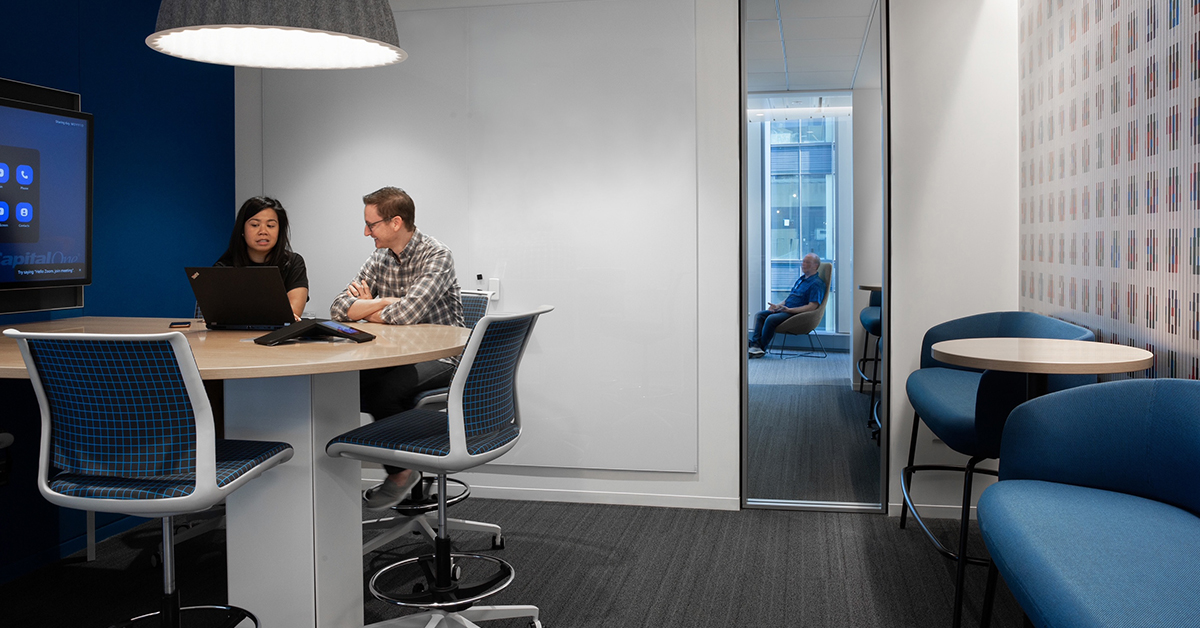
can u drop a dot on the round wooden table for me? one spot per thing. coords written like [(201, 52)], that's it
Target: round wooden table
[(870, 287), (1042, 356)]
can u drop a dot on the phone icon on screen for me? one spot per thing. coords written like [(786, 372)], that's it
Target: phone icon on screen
[(24, 175)]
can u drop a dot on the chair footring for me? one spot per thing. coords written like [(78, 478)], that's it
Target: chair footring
[(906, 480), (214, 616), (425, 497), (418, 575), (462, 619)]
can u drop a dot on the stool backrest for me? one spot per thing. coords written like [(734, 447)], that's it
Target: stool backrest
[(475, 306), (483, 394), (120, 405)]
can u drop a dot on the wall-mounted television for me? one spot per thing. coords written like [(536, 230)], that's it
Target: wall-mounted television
[(45, 196)]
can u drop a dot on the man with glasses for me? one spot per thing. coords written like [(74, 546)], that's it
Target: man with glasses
[(806, 295), (408, 280)]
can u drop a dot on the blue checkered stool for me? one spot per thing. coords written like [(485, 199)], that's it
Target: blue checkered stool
[(127, 428), (419, 513), (481, 422)]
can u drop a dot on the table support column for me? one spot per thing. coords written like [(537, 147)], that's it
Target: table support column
[(295, 534)]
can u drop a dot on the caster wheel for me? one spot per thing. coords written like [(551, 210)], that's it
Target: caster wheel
[(418, 588), (156, 560), (535, 624), (498, 543), (456, 573)]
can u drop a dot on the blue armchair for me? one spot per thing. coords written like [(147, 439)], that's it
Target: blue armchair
[(1094, 521), (967, 409)]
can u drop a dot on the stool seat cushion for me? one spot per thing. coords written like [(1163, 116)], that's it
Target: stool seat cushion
[(872, 320), (424, 432), (1078, 556), (945, 399), (234, 459)]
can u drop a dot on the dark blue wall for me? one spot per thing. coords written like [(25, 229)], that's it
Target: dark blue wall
[(163, 198), (163, 192)]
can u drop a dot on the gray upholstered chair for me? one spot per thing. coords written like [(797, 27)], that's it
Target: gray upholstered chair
[(805, 323)]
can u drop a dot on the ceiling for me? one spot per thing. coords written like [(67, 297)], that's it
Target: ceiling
[(807, 45)]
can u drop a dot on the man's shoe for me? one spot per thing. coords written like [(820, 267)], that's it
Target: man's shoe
[(388, 494), (756, 352)]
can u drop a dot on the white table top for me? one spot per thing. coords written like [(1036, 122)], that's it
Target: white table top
[(1042, 355)]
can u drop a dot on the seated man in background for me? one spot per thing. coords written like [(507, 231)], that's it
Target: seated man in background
[(408, 280), (806, 295)]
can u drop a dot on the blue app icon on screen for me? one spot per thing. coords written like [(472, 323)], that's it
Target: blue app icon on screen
[(24, 212), (24, 175), (3, 172), (3, 211)]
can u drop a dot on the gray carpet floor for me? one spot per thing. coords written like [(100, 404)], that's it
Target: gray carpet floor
[(594, 566), (808, 437)]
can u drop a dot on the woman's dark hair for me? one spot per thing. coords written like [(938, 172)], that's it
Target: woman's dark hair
[(237, 254)]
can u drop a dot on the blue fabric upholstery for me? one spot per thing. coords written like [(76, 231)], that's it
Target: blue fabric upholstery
[(1094, 521), (122, 425), (489, 407), (872, 319), (119, 408), (424, 432), (234, 459), (967, 413), (474, 307)]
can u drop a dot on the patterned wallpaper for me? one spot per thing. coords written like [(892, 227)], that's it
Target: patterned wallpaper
[(1110, 171)]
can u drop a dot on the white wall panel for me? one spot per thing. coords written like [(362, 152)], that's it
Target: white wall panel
[(551, 145), (954, 158)]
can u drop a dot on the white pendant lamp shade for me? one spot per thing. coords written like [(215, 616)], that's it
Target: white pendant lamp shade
[(290, 34)]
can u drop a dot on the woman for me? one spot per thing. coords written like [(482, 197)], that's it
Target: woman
[(260, 238)]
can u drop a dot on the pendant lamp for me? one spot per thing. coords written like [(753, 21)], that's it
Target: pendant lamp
[(290, 34)]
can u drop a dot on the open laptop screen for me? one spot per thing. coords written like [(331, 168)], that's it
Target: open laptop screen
[(248, 297)]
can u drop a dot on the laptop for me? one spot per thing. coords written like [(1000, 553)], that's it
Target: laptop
[(249, 297)]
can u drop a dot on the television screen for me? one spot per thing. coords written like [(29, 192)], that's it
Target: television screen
[(45, 196)]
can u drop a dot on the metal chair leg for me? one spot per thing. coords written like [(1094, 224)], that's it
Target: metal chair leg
[(912, 450), (989, 596), (963, 529)]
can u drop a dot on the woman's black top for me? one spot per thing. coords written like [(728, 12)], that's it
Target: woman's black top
[(295, 275)]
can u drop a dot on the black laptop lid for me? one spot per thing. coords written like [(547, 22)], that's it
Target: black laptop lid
[(247, 297)]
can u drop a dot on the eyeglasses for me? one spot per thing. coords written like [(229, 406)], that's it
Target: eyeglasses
[(371, 225)]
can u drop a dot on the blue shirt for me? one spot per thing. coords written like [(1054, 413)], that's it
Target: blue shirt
[(807, 290)]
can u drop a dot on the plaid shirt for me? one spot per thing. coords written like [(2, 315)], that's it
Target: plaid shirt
[(422, 277)]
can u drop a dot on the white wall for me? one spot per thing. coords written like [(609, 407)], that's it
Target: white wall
[(868, 184), (954, 134), (585, 152)]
